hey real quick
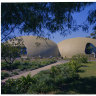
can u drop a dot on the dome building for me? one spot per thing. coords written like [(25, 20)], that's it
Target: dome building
[(70, 47), (35, 47)]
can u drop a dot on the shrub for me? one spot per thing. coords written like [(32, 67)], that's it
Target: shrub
[(23, 84), (4, 75), (80, 58), (9, 87), (26, 62), (75, 65), (43, 82), (18, 86), (4, 65), (77, 60), (17, 63), (28, 58), (15, 73), (22, 67)]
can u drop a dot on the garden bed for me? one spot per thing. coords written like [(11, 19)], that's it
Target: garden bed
[(19, 67)]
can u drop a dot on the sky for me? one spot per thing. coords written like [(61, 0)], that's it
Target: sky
[(80, 19)]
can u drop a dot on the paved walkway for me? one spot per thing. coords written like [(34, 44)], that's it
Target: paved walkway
[(33, 72)]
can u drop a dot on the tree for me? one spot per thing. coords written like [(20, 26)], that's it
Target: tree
[(92, 21), (34, 17), (12, 50), (9, 53), (93, 35)]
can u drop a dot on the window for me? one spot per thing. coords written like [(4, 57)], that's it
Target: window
[(90, 48), (23, 51)]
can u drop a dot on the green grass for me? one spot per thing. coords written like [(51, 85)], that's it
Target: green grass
[(88, 69)]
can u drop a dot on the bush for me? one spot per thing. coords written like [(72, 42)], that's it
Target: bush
[(17, 86), (4, 66), (15, 65), (22, 67), (4, 75), (77, 60), (43, 82), (27, 64), (15, 73), (80, 58), (9, 87), (75, 65)]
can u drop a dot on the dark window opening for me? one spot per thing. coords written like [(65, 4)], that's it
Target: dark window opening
[(23, 51), (90, 48)]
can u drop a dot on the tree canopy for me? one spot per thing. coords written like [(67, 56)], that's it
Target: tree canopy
[(35, 17), (11, 50), (92, 20), (9, 53)]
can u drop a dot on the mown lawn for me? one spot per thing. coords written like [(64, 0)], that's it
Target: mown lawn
[(88, 69)]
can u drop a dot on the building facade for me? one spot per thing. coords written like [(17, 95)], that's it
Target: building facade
[(70, 47)]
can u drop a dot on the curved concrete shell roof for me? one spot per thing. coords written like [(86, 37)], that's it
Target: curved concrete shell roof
[(70, 47), (38, 46)]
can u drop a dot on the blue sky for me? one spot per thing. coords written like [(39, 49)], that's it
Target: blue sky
[(80, 19)]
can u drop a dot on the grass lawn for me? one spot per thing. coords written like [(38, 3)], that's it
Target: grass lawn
[(88, 70)]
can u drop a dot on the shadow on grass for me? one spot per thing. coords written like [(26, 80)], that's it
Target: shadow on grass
[(81, 71), (84, 66), (81, 86)]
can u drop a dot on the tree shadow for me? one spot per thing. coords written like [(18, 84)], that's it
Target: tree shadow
[(84, 66), (81, 71), (81, 86)]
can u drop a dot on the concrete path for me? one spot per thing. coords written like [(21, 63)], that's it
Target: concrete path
[(33, 72)]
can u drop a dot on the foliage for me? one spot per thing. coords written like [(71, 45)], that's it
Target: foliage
[(15, 73), (93, 35), (81, 58), (6, 66), (92, 21), (77, 60), (27, 65), (4, 75), (31, 65), (34, 17), (9, 87), (60, 79), (43, 82), (47, 81), (9, 53), (75, 65)]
